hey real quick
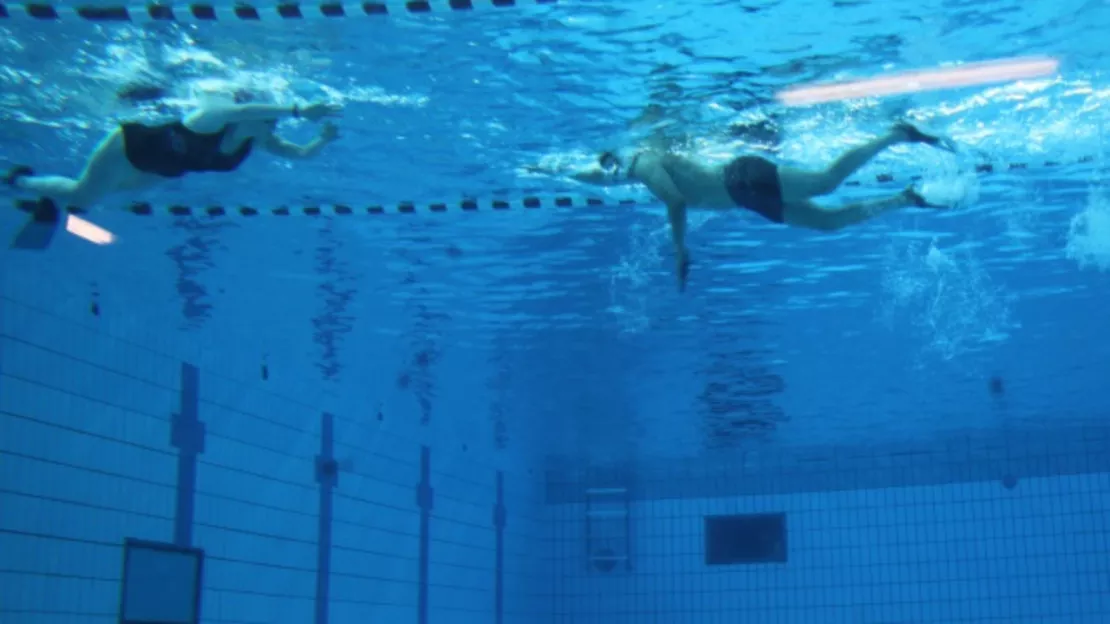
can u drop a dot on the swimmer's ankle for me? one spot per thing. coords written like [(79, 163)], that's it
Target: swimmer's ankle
[(17, 173)]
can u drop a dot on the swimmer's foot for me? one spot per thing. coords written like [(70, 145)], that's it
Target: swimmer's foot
[(915, 198), (15, 173), (914, 135)]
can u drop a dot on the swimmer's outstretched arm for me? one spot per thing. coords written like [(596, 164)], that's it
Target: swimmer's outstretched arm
[(213, 119), (591, 175), (296, 151)]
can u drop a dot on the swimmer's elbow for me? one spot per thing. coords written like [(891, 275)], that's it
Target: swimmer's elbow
[(287, 150)]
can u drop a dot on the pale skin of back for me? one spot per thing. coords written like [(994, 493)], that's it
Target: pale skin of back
[(108, 170)]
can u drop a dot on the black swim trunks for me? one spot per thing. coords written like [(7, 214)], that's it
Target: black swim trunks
[(172, 150), (753, 183)]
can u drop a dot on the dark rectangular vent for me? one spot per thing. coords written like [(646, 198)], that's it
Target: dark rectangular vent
[(759, 538)]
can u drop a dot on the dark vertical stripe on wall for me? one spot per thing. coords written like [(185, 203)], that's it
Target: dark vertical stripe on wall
[(327, 475), (3, 339), (499, 552), (424, 502), (187, 435)]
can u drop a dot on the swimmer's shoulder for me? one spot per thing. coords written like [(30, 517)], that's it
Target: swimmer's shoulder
[(651, 158)]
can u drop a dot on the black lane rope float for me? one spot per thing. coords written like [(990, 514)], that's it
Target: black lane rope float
[(246, 12), (144, 209), (528, 202)]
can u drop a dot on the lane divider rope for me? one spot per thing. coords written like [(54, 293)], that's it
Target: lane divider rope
[(245, 12), (986, 168), (144, 209), (529, 202)]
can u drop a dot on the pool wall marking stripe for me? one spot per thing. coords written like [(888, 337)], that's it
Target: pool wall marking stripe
[(531, 202), (424, 501), (327, 475), (187, 435), (242, 12), (499, 551)]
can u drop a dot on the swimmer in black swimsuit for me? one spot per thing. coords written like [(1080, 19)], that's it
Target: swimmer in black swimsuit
[(213, 139), (777, 193)]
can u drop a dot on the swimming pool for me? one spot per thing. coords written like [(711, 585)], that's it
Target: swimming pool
[(905, 391)]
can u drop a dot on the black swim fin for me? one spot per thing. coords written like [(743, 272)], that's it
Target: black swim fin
[(38, 232)]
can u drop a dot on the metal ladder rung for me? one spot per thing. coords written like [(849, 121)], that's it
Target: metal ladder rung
[(606, 491), (608, 514)]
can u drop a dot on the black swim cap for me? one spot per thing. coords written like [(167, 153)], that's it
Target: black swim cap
[(608, 160)]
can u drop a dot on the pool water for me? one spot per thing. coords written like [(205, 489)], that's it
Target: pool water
[(550, 342)]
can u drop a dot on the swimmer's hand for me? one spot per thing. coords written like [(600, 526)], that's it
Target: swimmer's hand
[(329, 132), (682, 269), (543, 170), (319, 110), (593, 175)]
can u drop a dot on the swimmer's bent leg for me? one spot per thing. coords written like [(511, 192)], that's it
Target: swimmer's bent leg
[(810, 215), (106, 171), (799, 185)]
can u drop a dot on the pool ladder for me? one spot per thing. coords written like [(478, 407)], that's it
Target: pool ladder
[(608, 528)]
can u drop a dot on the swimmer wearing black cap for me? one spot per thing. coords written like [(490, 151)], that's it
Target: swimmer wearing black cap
[(215, 138), (777, 193)]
